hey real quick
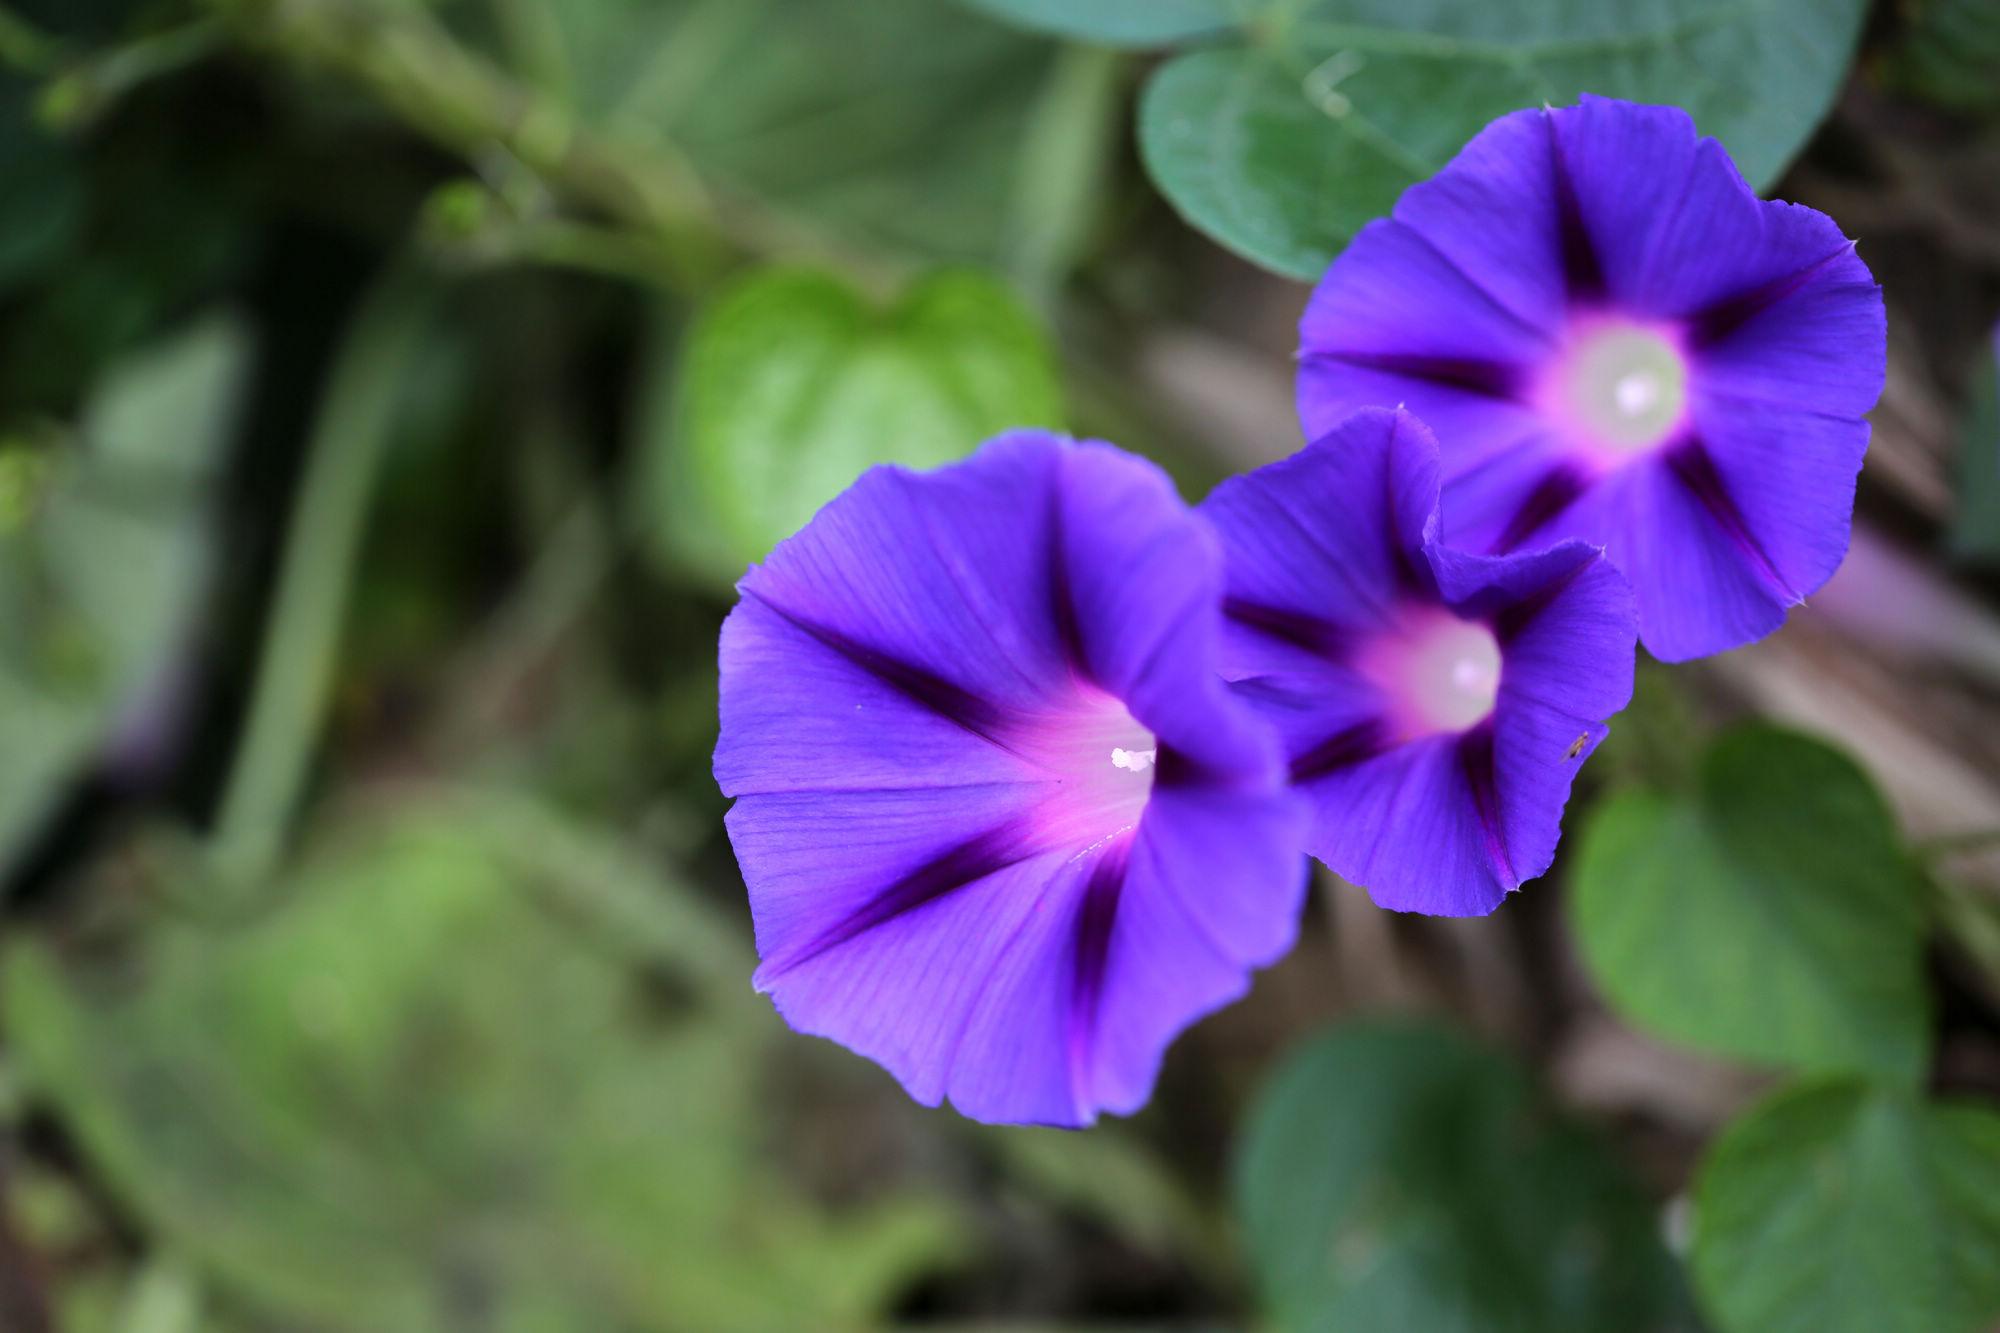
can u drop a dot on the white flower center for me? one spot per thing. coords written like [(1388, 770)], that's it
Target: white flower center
[(1439, 673), (1622, 386), (1133, 761)]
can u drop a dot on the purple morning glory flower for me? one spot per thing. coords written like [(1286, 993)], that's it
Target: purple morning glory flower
[(1435, 704), (1616, 340), (1005, 830)]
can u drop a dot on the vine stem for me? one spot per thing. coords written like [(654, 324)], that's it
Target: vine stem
[(460, 100), (301, 642)]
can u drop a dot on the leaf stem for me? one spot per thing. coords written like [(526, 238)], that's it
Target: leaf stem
[(302, 637)]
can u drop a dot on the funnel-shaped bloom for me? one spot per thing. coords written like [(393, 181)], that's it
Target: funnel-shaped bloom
[(1005, 830), (1616, 340), (1435, 705)]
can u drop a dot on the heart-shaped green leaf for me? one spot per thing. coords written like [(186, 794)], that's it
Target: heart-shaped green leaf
[(1770, 915), (1397, 1176), (1282, 146), (1839, 1208), (792, 385)]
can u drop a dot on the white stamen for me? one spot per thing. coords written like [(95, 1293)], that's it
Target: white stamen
[(1134, 761), (1636, 393), (1475, 676)]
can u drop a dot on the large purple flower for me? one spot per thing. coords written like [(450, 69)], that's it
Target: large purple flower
[(1435, 705), (1615, 339), (1005, 830)]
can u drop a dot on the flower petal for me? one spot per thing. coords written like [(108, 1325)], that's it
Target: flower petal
[(1492, 213), (1703, 584), (1790, 475), (913, 692), (1411, 826), (1569, 621), (1333, 533)]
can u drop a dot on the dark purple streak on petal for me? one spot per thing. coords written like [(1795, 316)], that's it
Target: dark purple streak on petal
[(1695, 470), (1475, 758), (1722, 318), (1344, 749), (1583, 272), (1293, 627), (1095, 920), (958, 866), (1495, 379), (1555, 492), (924, 688)]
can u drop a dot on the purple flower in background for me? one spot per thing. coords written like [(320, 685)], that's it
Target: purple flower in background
[(1005, 830), (1616, 340), (1434, 704)]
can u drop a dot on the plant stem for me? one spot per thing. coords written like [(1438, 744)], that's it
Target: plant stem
[(302, 637), (457, 98)]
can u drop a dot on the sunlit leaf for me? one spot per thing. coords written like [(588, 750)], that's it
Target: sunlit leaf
[(1838, 1208), (793, 384), (1770, 915), (1397, 1176), (473, 1067), (1283, 146)]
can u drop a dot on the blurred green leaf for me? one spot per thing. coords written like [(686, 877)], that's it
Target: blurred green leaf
[(1975, 533), (1949, 53), (476, 1070), (892, 122), (1838, 1208), (1398, 1176), (1771, 915), (792, 385), (1140, 23), (103, 553), (1282, 147)]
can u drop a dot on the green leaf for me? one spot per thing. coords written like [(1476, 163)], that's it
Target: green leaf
[(103, 551), (1283, 147), (1975, 533), (1839, 1208), (478, 1055), (1398, 1176), (1138, 23), (792, 385), (1771, 915), (908, 140)]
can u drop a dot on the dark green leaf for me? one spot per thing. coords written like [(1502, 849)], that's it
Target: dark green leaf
[(1837, 1208), (1139, 23), (792, 385), (1771, 915), (477, 1068), (1398, 1176), (1281, 148)]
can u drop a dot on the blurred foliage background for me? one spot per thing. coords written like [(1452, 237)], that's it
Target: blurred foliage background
[(390, 391)]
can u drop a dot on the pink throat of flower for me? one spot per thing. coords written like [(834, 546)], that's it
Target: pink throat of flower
[(1437, 672), (1618, 387), (1101, 762)]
